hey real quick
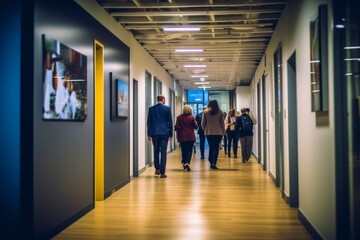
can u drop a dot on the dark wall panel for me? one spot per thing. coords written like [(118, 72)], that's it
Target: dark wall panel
[(10, 116), (63, 151)]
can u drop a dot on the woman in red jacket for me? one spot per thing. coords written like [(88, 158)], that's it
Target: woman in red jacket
[(184, 127)]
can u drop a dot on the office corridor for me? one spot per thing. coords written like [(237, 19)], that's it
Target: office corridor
[(238, 201)]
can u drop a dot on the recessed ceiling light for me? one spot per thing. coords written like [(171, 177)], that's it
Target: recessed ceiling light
[(194, 66), (199, 76), (181, 29), (191, 50), (201, 83)]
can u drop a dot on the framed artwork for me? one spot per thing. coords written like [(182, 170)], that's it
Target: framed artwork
[(64, 82), (119, 96), (319, 61), (122, 98)]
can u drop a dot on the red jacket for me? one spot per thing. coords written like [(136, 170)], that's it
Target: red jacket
[(184, 127)]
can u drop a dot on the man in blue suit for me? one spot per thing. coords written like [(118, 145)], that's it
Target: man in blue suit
[(160, 129)]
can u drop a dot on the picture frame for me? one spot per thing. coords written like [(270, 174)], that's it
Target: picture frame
[(122, 98), (64, 82), (319, 60), (119, 97)]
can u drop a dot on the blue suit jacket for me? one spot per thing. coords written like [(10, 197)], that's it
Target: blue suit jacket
[(159, 121)]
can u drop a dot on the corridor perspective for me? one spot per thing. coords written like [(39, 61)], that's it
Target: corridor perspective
[(238, 201)]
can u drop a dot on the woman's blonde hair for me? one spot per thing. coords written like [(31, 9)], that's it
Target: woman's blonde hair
[(187, 110)]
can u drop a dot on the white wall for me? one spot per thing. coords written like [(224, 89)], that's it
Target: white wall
[(140, 61), (315, 143)]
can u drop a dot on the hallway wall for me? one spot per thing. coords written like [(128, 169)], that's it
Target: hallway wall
[(315, 130), (140, 61)]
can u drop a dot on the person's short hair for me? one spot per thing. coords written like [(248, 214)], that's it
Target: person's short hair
[(187, 110), (243, 110), (247, 109), (232, 111), (160, 98)]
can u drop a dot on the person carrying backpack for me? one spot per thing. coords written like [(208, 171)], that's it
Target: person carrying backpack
[(244, 129)]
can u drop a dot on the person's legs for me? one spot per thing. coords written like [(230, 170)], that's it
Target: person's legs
[(243, 148), (202, 145), (163, 148), (249, 147), (156, 145), (225, 142), (235, 144), (189, 146), (229, 137), (183, 152), (217, 140), (212, 146)]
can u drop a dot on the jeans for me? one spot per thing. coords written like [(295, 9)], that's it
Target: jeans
[(232, 138)]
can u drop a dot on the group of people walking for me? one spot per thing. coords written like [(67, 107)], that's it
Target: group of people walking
[(211, 124)]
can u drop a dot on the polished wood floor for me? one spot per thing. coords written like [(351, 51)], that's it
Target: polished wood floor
[(238, 201)]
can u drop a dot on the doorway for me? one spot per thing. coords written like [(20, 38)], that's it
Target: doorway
[(148, 144), (259, 114), (279, 181), (263, 120), (293, 135), (99, 119), (135, 129)]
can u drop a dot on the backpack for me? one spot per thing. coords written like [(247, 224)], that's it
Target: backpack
[(247, 124)]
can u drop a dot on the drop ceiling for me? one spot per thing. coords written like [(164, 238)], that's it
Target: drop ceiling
[(233, 36)]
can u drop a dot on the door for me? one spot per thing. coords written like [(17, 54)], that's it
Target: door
[(259, 114), (347, 117), (265, 130), (148, 144), (135, 129), (279, 151), (293, 143)]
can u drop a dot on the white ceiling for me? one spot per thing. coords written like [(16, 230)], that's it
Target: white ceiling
[(234, 35)]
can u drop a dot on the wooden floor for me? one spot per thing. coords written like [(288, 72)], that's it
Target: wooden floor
[(238, 201)]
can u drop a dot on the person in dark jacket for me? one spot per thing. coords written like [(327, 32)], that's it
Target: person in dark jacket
[(244, 128), (201, 134), (159, 130), (184, 127)]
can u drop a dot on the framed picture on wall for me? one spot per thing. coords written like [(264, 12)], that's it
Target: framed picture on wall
[(119, 97), (319, 60), (64, 82), (122, 98)]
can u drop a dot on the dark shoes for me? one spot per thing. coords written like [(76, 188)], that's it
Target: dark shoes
[(187, 167), (202, 157), (163, 176), (157, 172), (214, 167)]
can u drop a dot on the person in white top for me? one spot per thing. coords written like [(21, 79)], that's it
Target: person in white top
[(231, 133)]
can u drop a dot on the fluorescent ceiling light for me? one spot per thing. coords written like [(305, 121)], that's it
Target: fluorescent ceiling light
[(191, 50), (194, 66), (353, 47), (204, 87), (199, 76), (181, 29), (201, 83)]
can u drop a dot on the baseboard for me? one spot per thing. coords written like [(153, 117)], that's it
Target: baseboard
[(67, 223), (272, 178), (286, 198), (309, 227), (117, 187), (142, 170)]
